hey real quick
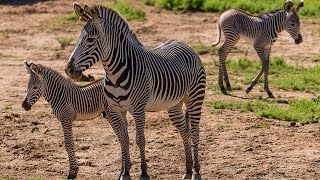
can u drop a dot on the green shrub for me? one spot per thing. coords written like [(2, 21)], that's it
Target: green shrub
[(128, 12)]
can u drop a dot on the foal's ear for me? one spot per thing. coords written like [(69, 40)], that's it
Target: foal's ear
[(81, 12), (287, 6), (27, 66), (300, 5)]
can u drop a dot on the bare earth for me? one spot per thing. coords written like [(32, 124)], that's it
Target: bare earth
[(31, 143)]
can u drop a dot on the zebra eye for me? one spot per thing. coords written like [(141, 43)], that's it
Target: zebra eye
[(293, 25), (34, 87), (91, 40)]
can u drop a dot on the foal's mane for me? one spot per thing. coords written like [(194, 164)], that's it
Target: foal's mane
[(49, 71), (113, 18)]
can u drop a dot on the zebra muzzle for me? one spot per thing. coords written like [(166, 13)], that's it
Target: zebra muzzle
[(298, 40), (26, 106)]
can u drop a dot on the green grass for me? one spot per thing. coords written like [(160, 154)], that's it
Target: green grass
[(281, 74), (129, 13), (204, 49), (64, 41), (300, 110), (7, 107), (61, 22), (311, 8)]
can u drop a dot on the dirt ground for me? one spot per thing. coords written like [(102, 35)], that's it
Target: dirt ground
[(231, 146)]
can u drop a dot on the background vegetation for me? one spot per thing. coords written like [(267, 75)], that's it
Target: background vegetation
[(311, 8)]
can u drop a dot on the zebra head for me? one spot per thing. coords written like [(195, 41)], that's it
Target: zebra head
[(292, 23), (88, 48), (34, 86)]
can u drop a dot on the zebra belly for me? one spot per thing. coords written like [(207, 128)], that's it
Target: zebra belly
[(154, 106), (247, 38), (87, 116)]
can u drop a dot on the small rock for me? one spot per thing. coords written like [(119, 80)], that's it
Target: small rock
[(293, 124), (85, 148)]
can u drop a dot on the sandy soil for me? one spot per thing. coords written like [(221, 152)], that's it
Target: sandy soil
[(232, 147)]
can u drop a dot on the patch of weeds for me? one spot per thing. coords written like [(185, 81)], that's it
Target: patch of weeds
[(7, 178), (221, 126), (261, 126), (15, 83), (301, 110), (5, 34), (64, 41), (7, 107), (35, 178), (5, 55), (128, 12), (203, 49), (61, 22)]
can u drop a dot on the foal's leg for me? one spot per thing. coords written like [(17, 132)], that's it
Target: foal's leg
[(179, 121), (263, 54), (231, 38), (66, 122)]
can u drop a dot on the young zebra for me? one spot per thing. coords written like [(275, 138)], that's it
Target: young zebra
[(69, 102), (139, 79), (262, 31)]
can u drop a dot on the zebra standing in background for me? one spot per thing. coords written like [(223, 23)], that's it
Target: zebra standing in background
[(68, 101), (140, 79), (262, 31)]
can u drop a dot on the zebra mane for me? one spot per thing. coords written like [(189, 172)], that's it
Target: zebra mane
[(271, 13), (116, 20), (49, 72)]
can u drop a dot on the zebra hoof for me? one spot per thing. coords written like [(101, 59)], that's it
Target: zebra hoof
[(270, 95), (229, 88), (71, 177), (125, 177), (196, 177), (144, 177), (248, 90), (187, 176)]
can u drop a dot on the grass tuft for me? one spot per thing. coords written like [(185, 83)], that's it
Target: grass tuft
[(128, 12), (64, 41), (300, 110)]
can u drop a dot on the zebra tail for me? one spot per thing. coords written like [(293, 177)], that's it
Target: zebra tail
[(219, 35)]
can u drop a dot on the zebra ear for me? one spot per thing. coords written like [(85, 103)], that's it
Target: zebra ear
[(80, 12), (287, 6), (300, 5), (27, 66), (36, 70), (87, 10)]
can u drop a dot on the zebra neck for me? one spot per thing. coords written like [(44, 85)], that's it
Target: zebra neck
[(277, 21), (53, 88)]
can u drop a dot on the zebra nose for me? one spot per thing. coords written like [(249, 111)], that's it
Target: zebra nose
[(299, 39)]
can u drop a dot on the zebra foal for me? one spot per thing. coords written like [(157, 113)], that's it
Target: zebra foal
[(262, 31), (69, 102), (139, 79)]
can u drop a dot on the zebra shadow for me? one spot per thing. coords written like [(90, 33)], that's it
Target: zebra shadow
[(267, 99)]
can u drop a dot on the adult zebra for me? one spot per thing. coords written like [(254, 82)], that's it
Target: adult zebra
[(140, 79), (262, 31)]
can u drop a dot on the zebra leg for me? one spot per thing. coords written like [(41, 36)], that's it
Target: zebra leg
[(66, 123), (230, 40), (119, 125), (139, 117), (193, 115), (179, 121), (262, 55), (266, 73)]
